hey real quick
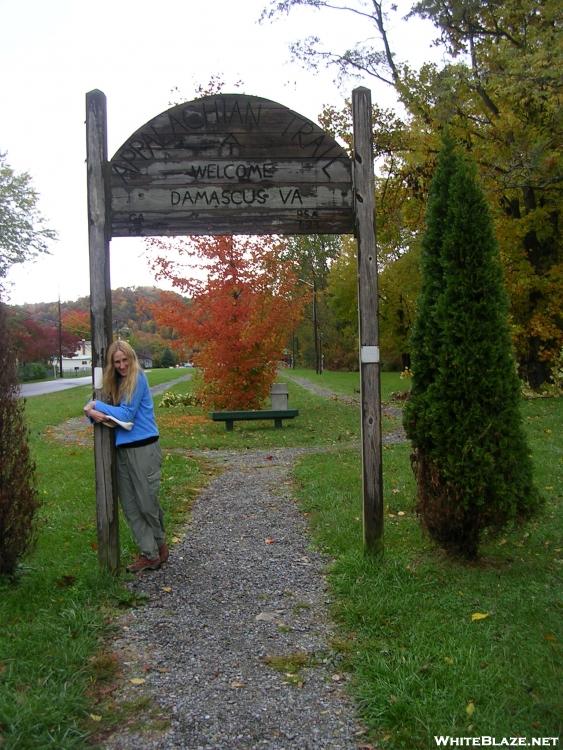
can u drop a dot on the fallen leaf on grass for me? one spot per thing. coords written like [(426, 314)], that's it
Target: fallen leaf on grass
[(168, 589), (137, 681), (95, 717), (476, 616), (470, 709), (269, 540), (237, 684)]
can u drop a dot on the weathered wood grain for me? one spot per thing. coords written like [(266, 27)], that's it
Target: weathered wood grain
[(100, 314), (230, 161), (370, 383)]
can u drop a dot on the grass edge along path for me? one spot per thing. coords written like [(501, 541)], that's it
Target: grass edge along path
[(54, 667), (55, 671), (55, 675), (436, 647)]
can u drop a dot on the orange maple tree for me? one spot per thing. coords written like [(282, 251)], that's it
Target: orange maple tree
[(243, 304), (77, 322)]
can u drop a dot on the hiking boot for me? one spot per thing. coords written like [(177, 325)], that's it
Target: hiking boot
[(144, 563), (163, 552)]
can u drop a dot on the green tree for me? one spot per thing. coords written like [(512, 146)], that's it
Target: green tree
[(167, 359), (342, 300), (22, 236), (312, 256), (19, 500), (22, 231), (498, 91), (399, 285), (469, 451), (399, 282)]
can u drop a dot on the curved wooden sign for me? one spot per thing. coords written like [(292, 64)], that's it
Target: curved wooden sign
[(230, 164)]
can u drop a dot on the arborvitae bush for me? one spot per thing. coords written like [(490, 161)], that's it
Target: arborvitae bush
[(470, 456), (19, 499)]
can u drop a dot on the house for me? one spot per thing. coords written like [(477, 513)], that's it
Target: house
[(81, 361), (145, 360)]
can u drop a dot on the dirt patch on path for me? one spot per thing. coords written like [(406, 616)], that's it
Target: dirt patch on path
[(75, 431)]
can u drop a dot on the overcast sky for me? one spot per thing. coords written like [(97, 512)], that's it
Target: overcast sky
[(54, 51)]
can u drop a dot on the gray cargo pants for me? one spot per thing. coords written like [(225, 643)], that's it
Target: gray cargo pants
[(138, 483)]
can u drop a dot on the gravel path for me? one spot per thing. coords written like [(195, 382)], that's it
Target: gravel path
[(232, 650), (158, 389), (394, 412), (390, 411), (242, 588)]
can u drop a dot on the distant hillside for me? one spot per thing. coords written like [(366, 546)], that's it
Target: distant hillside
[(124, 306), (130, 320)]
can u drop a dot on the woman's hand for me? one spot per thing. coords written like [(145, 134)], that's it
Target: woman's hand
[(94, 414)]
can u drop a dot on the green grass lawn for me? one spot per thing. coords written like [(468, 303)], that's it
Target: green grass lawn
[(418, 664), (191, 427), (56, 616), (348, 383), (321, 421)]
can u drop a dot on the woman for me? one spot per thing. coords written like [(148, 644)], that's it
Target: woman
[(137, 449)]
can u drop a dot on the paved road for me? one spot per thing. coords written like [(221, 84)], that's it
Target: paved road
[(51, 386)]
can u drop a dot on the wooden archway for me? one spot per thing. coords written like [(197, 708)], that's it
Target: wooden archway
[(233, 164)]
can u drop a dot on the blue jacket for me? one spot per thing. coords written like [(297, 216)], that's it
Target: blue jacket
[(139, 410)]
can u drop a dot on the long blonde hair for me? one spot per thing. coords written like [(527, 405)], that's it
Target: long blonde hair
[(115, 387)]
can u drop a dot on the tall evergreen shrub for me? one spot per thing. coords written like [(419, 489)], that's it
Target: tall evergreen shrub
[(19, 499), (470, 455)]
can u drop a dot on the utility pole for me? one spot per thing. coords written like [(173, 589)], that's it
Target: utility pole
[(316, 337), (60, 341), (316, 328)]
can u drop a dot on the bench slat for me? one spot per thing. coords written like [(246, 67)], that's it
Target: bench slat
[(219, 416), (229, 417)]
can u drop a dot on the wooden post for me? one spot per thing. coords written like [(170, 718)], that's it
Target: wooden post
[(100, 314), (364, 213)]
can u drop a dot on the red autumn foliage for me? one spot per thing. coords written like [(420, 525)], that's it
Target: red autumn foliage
[(34, 341), (243, 304)]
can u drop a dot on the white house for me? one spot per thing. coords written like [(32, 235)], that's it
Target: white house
[(81, 361)]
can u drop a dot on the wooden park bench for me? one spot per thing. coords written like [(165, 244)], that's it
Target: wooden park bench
[(230, 417)]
